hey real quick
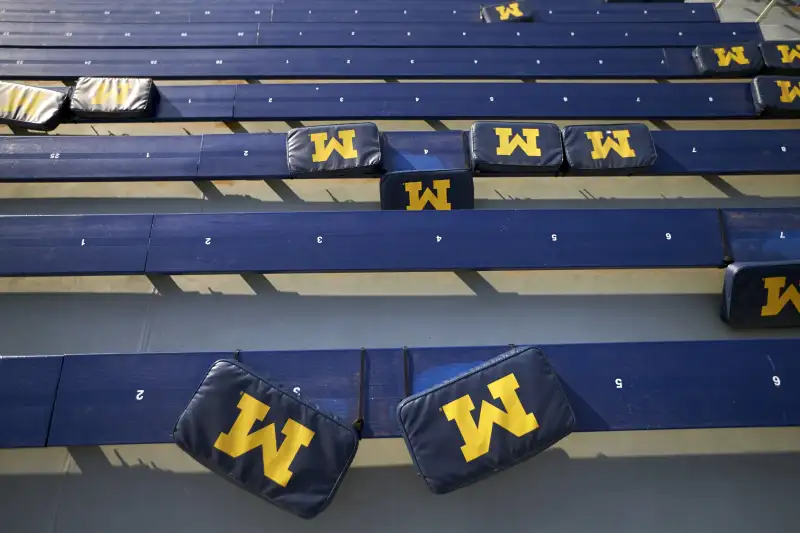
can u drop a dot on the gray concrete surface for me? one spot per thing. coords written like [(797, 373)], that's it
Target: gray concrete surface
[(733, 481)]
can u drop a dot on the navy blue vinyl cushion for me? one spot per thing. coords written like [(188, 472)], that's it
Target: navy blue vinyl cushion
[(341, 149), (118, 98), (762, 295), (609, 148), (781, 57), (30, 107), (728, 59), (261, 156), (777, 96), (450, 428), (265, 440), (518, 11), (515, 147), (440, 190)]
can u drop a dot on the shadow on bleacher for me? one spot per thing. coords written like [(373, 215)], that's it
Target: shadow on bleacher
[(52, 323), (215, 201), (615, 494)]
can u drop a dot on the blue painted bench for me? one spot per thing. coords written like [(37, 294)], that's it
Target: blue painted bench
[(763, 234), (487, 100), (308, 3), (373, 13), (628, 13), (349, 63), (580, 35), (27, 394), (435, 240), (74, 244), (358, 241), (267, 4), (416, 6), (392, 241), (261, 156), (401, 101), (136, 398)]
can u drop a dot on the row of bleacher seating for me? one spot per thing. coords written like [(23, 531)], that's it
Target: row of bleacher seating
[(745, 59), (317, 3), (136, 398), (403, 101), (83, 35), (337, 4), (262, 156), (348, 63), (393, 241), (38, 108), (367, 12)]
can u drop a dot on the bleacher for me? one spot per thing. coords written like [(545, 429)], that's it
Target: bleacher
[(584, 60), (121, 391)]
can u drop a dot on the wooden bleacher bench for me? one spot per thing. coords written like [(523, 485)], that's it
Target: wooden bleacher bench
[(133, 398), (356, 101), (367, 34), (347, 63), (451, 12), (187, 158), (216, 243)]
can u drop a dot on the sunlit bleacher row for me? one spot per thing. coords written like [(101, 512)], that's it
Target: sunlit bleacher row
[(127, 398), (261, 156), (370, 63), (360, 34), (769, 95), (343, 101), (367, 60), (362, 12), (135, 398), (315, 3), (393, 241)]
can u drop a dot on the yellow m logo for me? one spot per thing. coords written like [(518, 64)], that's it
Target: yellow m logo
[(736, 54), (788, 54), (417, 201), (323, 151), (776, 300), (514, 419), (22, 101), (602, 147), (277, 461), (508, 11), (107, 93), (507, 143), (788, 92)]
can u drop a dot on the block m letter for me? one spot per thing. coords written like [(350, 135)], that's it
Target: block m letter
[(602, 147), (417, 201), (478, 437), (789, 54), (507, 144), (106, 93), (323, 151), (21, 100), (776, 300), (788, 92), (736, 54), (277, 461), (511, 10)]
